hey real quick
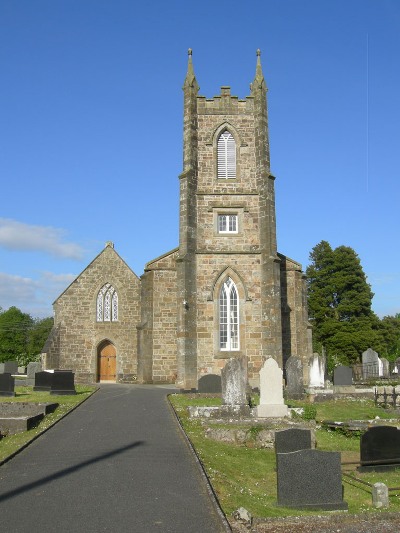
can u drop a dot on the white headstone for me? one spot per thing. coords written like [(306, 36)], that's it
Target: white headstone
[(317, 371), (271, 391)]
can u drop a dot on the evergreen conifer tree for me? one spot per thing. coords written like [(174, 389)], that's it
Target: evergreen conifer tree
[(339, 300)]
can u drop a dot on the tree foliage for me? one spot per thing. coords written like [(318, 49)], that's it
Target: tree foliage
[(21, 336), (339, 300)]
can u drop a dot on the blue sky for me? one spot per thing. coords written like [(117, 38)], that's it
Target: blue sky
[(91, 129)]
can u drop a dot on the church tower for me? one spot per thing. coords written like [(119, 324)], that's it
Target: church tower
[(228, 268), (224, 292)]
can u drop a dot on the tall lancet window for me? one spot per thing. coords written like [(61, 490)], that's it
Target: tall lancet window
[(226, 156), (107, 304), (228, 316)]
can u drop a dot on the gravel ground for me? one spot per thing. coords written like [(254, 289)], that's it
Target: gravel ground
[(385, 522)]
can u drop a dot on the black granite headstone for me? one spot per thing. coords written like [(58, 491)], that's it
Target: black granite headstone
[(43, 381), (209, 383), (343, 376), (63, 382), (10, 367), (292, 440), (310, 479), (7, 383), (380, 449)]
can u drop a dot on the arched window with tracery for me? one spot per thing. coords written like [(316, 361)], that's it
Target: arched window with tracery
[(226, 156), (228, 316), (107, 304)]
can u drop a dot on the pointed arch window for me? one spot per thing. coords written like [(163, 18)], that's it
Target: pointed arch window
[(228, 316), (226, 156), (107, 304)]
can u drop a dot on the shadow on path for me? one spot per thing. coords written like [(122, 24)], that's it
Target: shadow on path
[(67, 471)]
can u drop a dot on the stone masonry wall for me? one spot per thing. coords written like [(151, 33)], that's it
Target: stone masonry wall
[(80, 333)]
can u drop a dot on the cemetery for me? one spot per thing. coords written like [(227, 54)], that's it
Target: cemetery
[(292, 450), (28, 410)]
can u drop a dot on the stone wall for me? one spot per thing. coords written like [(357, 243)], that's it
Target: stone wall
[(77, 335)]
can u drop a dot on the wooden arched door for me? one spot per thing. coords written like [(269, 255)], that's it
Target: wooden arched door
[(107, 362)]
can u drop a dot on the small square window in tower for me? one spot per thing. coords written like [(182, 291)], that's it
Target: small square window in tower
[(227, 223)]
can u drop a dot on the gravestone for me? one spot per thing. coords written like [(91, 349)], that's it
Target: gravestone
[(310, 479), (370, 362), (342, 376), (380, 449), (316, 368), (10, 367), (209, 383), (31, 370), (7, 384), (62, 382), (380, 496), (271, 391), (294, 378), (292, 440), (234, 382), (385, 368), (43, 381)]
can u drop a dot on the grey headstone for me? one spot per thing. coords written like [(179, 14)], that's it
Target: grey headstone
[(342, 376), (380, 496), (234, 382), (310, 479), (370, 361), (385, 368), (10, 367), (32, 369), (294, 378), (292, 440), (209, 383)]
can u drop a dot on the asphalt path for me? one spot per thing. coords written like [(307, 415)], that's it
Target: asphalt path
[(118, 463)]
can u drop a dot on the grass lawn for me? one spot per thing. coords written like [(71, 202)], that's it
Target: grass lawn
[(12, 443), (245, 476)]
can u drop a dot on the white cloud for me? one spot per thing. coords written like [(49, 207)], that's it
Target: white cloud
[(16, 235), (33, 296)]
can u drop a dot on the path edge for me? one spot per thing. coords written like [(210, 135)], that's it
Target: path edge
[(211, 493)]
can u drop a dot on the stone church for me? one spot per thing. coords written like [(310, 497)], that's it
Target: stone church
[(224, 292)]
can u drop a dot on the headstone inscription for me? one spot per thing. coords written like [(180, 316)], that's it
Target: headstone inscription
[(292, 440), (43, 381), (342, 376), (370, 362), (62, 382), (234, 382), (380, 449), (294, 378), (7, 384), (310, 479), (209, 383), (271, 391)]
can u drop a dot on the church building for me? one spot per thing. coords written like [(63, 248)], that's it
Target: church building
[(224, 292)]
